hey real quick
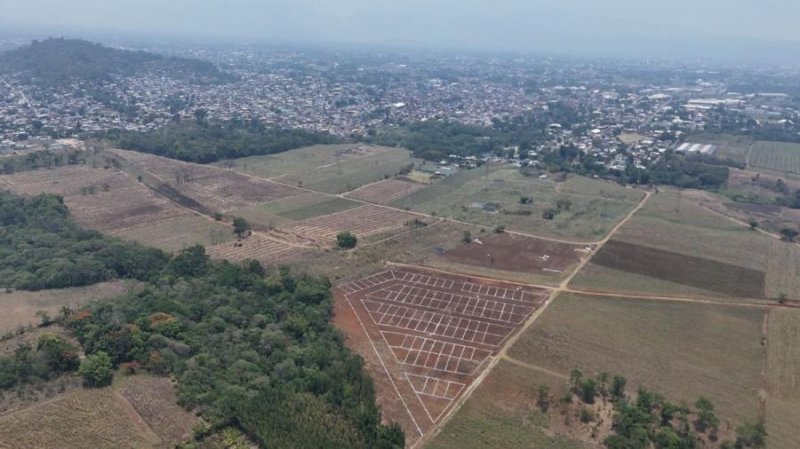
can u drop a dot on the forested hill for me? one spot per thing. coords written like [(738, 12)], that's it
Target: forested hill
[(250, 348), (53, 62)]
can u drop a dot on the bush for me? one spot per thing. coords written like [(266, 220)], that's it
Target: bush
[(346, 240)]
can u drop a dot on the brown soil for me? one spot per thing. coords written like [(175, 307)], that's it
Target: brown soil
[(517, 253)]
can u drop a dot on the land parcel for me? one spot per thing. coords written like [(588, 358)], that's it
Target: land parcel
[(674, 247)]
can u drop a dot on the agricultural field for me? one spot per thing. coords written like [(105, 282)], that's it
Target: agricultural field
[(257, 247), (178, 233), (285, 211), (729, 146), (514, 257), (502, 412), (20, 307), (327, 168), (429, 335), (386, 191), (776, 156), (136, 413), (582, 209), (672, 239), (204, 188), (682, 350), (363, 221), (783, 383)]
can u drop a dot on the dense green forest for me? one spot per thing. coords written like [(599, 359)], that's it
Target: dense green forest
[(250, 349), (209, 141), (58, 62), (41, 248)]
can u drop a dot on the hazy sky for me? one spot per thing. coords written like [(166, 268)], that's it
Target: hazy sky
[(502, 24)]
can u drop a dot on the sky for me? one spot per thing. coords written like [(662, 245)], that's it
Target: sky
[(514, 25)]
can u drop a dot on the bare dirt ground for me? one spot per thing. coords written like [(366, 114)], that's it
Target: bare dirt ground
[(518, 253), (431, 334), (384, 192)]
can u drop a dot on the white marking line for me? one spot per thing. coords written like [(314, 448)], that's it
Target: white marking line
[(377, 354), (427, 348), (459, 387)]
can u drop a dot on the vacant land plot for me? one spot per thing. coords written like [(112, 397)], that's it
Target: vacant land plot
[(778, 156), (582, 209), (516, 253), (256, 247), (213, 189), (729, 146), (105, 200), (783, 379), (297, 207), (362, 221), (179, 233), (502, 412), (328, 168), (682, 350), (384, 192), (102, 419), (697, 272), (20, 307), (783, 270), (432, 335)]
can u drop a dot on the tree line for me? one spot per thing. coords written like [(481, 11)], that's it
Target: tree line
[(205, 141)]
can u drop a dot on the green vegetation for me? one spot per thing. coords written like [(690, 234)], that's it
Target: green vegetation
[(40, 159), (41, 248), (209, 141), (96, 369), (246, 346), (240, 226), (778, 156), (58, 62), (346, 240)]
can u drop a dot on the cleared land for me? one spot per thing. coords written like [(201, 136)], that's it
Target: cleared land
[(204, 188), (491, 197), (682, 350), (516, 254), (135, 414), (20, 307), (179, 233), (257, 247), (362, 221), (675, 240), (328, 168), (502, 413), (783, 379), (284, 211), (384, 192), (778, 156), (430, 335), (669, 266)]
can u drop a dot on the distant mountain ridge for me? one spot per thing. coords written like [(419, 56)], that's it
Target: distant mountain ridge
[(57, 61)]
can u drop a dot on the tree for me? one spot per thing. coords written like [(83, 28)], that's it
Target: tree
[(618, 387), (781, 298), (575, 377), (525, 200), (240, 226), (467, 238), (588, 390), (750, 436), (753, 225), (346, 240), (789, 234), (96, 369), (499, 229), (706, 418), (543, 398)]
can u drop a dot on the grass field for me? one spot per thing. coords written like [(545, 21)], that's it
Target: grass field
[(502, 413), (179, 233), (299, 207), (127, 416), (327, 168), (729, 146), (20, 307), (494, 199), (783, 379), (783, 270), (681, 350), (778, 156)]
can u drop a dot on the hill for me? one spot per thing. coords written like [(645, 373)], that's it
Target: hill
[(53, 62)]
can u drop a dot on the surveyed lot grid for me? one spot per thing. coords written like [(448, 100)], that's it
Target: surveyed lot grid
[(434, 333)]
